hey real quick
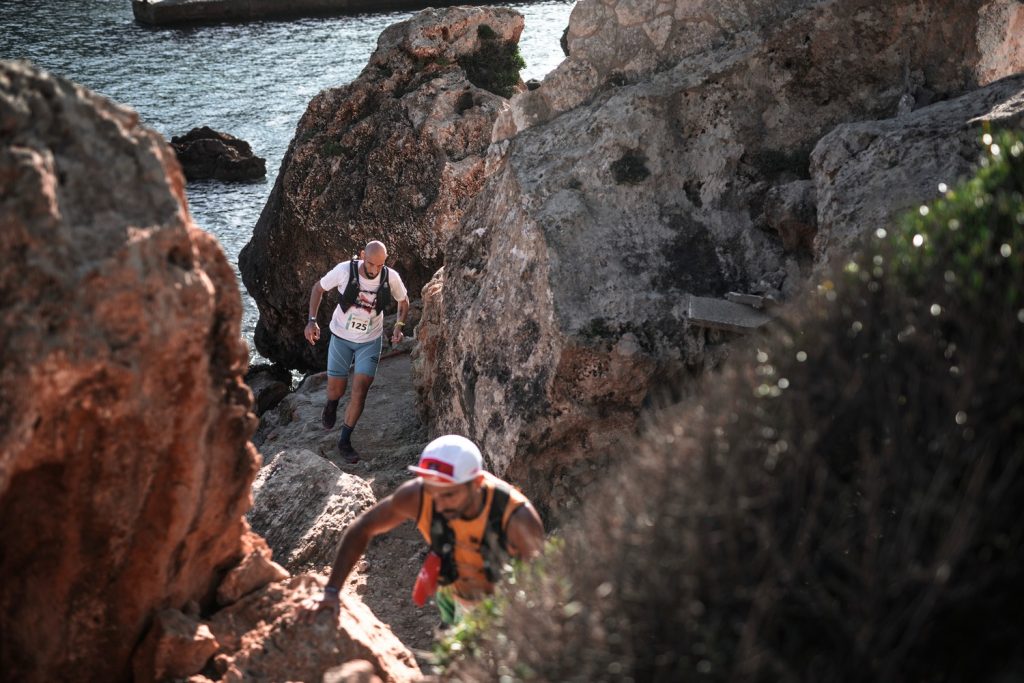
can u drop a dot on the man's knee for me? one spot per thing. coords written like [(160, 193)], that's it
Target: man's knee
[(361, 384), (336, 386)]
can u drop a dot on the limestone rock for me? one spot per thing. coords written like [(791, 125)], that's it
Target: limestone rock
[(176, 646), (790, 210), (269, 385), (565, 287), (256, 570), (260, 639), (205, 153), (866, 173), (302, 505), (611, 43), (125, 464), (395, 155), (428, 334)]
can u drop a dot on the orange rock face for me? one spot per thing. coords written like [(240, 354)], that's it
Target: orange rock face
[(261, 640), (125, 464)]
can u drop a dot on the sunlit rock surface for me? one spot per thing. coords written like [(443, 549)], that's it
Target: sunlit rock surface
[(611, 43), (669, 156), (302, 505), (125, 463), (260, 639), (395, 155)]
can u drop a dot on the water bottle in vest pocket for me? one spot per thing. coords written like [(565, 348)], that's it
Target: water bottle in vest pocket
[(426, 580)]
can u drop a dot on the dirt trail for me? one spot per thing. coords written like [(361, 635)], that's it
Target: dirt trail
[(388, 438)]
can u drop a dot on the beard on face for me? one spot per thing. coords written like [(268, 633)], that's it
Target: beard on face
[(458, 511)]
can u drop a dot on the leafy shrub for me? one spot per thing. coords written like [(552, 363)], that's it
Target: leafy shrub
[(495, 66), (842, 503)]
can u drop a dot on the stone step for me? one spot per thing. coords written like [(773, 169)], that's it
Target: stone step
[(722, 314)]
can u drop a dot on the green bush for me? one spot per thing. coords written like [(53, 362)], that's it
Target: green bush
[(841, 504), (495, 66)]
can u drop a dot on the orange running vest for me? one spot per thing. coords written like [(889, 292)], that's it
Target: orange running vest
[(472, 582)]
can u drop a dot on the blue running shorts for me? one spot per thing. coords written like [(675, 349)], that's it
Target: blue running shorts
[(341, 352)]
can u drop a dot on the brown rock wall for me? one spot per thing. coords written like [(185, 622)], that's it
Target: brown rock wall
[(124, 457), (628, 41), (261, 640)]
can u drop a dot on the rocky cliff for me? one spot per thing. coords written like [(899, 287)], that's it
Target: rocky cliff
[(124, 457), (125, 461), (395, 155), (669, 157)]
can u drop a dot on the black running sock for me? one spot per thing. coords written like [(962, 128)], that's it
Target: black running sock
[(346, 434)]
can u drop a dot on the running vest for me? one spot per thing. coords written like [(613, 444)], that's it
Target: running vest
[(351, 293), (472, 551)]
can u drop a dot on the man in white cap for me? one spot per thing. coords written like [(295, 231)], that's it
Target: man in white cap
[(471, 519)]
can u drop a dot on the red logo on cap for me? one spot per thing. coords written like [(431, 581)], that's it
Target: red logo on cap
[(438, 466)]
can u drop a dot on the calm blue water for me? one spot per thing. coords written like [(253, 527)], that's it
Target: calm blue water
[(250, 80)]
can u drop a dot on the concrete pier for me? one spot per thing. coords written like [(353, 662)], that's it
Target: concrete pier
[(171, 12)]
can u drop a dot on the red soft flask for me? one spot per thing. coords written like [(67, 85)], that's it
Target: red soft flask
[(426, 580)]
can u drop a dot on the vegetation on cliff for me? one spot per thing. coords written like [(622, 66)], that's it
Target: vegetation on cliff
[(496, 65), (841, 505)]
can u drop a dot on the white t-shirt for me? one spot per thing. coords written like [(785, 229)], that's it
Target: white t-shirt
[(361, 323)]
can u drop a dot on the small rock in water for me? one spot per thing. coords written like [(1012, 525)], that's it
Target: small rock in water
[(205, 153)]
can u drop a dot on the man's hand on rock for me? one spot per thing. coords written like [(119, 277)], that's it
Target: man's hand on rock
[(311, 607), (397, 334), (312, 332)]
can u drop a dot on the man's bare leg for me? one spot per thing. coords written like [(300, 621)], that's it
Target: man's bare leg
[(357, 400), (335, 390)]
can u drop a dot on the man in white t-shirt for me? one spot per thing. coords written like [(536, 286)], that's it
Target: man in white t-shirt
[(357, 329)]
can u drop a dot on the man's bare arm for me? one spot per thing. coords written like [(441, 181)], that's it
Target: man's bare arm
[(312, 331), (399, 331), (525, 533), (400, 506)]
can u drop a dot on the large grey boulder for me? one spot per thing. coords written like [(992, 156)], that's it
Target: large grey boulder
[(668, 173), (620, 42), (395, 155), (866, 173), (302, 504)]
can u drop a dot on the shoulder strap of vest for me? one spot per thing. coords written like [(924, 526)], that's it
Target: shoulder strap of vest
[(349, 295), (442, 543), (383, 291), (494, 547)]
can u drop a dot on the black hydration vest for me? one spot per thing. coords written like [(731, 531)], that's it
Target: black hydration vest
[(351, 294), (493, 547)]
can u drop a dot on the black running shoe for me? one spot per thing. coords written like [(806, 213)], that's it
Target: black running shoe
[(348, 454), (330, 414)]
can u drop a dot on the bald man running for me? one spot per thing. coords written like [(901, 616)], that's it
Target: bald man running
[(366, 286)]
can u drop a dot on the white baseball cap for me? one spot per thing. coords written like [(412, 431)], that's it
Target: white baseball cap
[(449, 459)]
